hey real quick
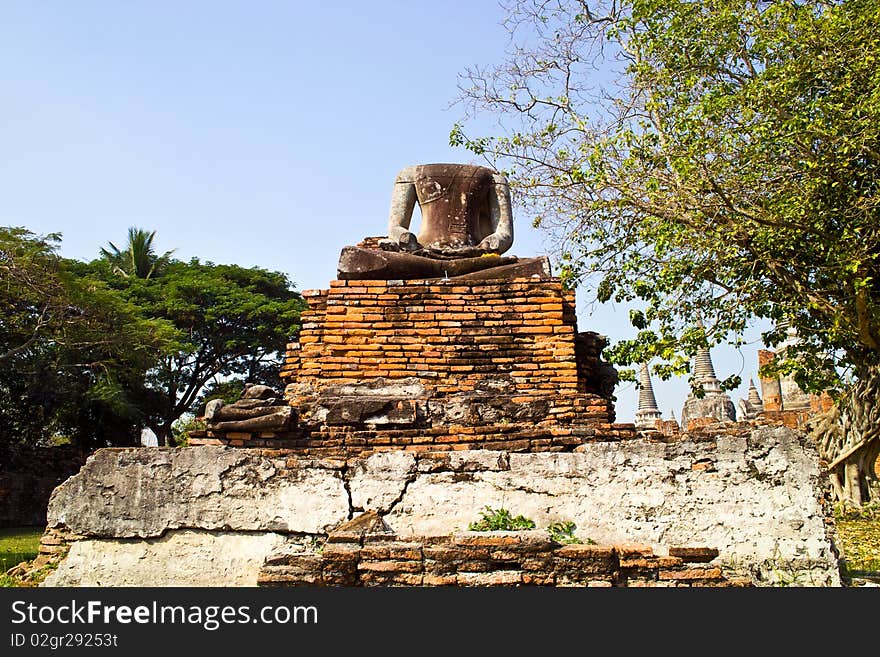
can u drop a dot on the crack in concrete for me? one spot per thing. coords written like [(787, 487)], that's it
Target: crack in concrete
[(509, 486), (533, 491), (346, 483), (414, 474)]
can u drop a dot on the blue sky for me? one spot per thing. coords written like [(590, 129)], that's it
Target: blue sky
[(257, 133)]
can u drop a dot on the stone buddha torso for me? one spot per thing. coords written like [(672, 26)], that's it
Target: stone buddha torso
[(454, 202), (466, 225)]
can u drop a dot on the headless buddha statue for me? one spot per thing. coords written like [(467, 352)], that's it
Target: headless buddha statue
[(465, 210), (466, 225)]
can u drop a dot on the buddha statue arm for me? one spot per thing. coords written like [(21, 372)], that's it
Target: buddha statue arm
[(403, 201), (501, 216)]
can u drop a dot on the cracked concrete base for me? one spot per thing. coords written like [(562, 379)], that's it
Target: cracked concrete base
[(379, 482), (755, 499), (143, 492), (181, 558)]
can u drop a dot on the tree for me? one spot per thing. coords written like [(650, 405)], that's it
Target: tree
[(34, 300), (139, 258), (231, 323), (68, 344), (90, 356), (712, 163)]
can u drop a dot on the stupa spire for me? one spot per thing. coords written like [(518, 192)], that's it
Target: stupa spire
[(647, 413), (754, 398), (704, 371), (714, 403)]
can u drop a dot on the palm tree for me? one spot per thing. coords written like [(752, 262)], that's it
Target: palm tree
[(138, 259)]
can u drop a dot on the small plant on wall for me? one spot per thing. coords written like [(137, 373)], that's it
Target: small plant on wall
[(500, 519), (563, 532)]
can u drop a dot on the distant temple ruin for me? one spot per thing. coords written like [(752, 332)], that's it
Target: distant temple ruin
[(780, 401), (783, 399), (715, 403), (751, 407)]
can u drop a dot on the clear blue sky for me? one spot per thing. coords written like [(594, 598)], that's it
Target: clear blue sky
[(257, 133)]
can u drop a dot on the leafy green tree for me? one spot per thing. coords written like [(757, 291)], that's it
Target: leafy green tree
[(34, 299), (231, 323), (138, 259), (89, 356), (710, 163), (68, 346)]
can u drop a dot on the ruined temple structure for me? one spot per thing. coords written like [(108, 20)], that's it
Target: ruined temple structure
[(438, 376), (436, 341), (751, 407), (715, 405), (783, 400)]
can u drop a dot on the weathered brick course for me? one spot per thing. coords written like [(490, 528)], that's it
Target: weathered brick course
[(526, 558), (453, 365)]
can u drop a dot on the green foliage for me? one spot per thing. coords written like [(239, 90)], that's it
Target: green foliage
[(92, 352), (500, 520), (318, 543), (138, 258), (229, 391), (563, 532), (859, 533), (19, 540), (6, 581), (68, 347), (182, 427), (713, 161), (231, 323), (869, 511), (11, 559), (17, 544), (27, 539)]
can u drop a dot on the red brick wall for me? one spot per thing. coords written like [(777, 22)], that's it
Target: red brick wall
[(506, 352), (771, 394), (452, 333), (493, 559)]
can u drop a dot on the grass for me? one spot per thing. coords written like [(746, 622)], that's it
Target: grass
[(17, 544), (859, 533)]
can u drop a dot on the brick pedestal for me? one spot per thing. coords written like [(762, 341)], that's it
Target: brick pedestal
[(436, 365)]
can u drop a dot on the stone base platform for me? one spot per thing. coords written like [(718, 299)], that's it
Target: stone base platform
[(230, 515)]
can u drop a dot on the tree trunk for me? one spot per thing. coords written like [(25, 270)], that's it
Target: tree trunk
[(848, 440), (164, 435)]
